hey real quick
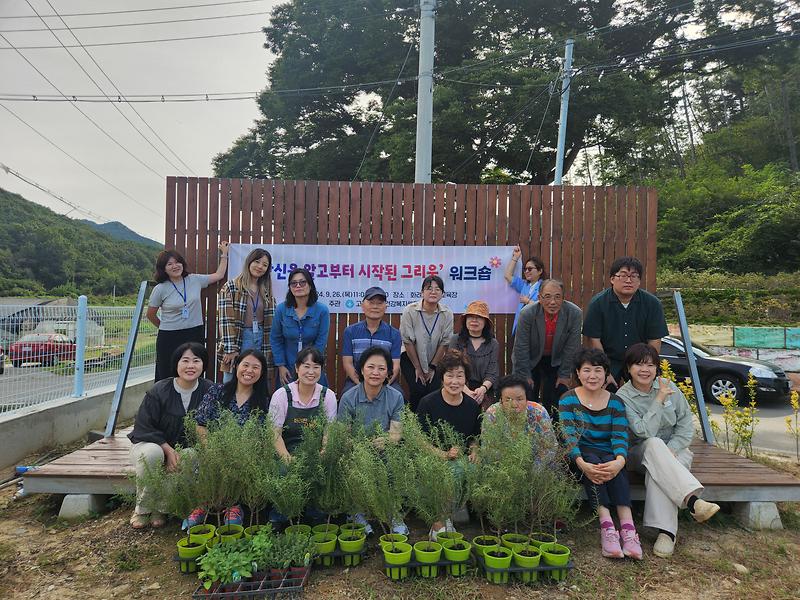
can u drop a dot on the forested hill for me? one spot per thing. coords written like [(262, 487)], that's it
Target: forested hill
[(119, 231), (42, 252)]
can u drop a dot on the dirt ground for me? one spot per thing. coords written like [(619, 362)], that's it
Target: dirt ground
[(102, 558)]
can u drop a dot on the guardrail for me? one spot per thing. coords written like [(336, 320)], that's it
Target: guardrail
[(54, 351)]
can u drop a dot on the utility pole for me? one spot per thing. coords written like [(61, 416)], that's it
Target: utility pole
[(427, 25), (566, 79)]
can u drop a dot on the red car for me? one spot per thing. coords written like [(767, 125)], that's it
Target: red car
[(44, 348)]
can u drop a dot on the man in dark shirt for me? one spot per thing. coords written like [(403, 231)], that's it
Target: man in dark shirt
[(623, 315)]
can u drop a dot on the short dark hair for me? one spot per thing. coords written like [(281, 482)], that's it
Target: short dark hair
[(630, 262), (312, 292), (639, 353), (453, 359), (369, 353), (195, 348), (594, 357), (514, 381), (432, 279), (310, 352), (539, 264), (161, 265)]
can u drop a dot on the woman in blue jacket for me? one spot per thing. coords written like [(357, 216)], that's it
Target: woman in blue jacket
[(300, 321)]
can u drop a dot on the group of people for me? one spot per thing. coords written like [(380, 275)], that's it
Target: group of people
[(614, 412)]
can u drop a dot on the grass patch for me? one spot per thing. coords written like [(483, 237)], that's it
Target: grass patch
[(127, 560)]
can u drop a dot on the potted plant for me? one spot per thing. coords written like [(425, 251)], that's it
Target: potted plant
[(226, 563), (261, 543), (260, 469), (290, 556)]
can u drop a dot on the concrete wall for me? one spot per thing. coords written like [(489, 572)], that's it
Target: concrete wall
[(64, 421), (779, 345)]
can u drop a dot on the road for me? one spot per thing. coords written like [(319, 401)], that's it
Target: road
[(30, 385)]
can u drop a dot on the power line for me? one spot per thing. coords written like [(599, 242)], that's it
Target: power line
[(131, 42), (383, 109), (100, 89), (139, 10), (75, 160), (72, 205)]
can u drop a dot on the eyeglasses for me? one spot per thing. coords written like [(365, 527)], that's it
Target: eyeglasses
[(548, 297), (433, 289), (531, 268), (299, 283), (628, 276)]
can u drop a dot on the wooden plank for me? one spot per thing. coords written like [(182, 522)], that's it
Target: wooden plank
[(306, 215), (376, 223), (323, 212), (180, 217), (630, 221), (481, 220), (289, 202), (190, 253), (257, 224), (437, 223), (566, 239), (366, 214), (587, 267), (652, 239), (268, 203), (471, 205), (576, 246), (224, 208), (279, 212), (397, 212), (170, 228), (449, 235), (557, 195), (547, 215), (599, 233), (620, 223), (202, 226), (355, 190), (515, 218), (460, 215), (334, 214), (429, 201), (246, 223), (492, 197), (419, 213), (534, 246), (407, 233), (385, 207), (343, 203), (236, 211)]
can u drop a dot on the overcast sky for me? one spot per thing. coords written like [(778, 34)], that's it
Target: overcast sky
[(196, 131)]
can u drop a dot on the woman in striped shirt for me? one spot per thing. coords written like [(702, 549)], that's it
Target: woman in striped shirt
[(595, 429)]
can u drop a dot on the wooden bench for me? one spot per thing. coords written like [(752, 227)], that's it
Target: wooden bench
[(102, 468)]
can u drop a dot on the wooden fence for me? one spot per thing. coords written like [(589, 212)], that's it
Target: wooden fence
[(587, 228)]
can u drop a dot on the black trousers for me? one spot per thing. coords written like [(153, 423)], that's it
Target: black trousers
[(615, 492), (417, 390), (168, 341), (544, 377)]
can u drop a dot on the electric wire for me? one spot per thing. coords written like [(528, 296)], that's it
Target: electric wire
[(76, 160), (139, 10), (100, 89), (383, 109)]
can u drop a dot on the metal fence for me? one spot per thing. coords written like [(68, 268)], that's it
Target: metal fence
[(41, 346)]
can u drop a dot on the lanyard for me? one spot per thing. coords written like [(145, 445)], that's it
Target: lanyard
[(183, 296), (255, 305), (425, 325)]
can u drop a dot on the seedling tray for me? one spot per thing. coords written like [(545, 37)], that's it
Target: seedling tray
[(514, 569), (287, 587)]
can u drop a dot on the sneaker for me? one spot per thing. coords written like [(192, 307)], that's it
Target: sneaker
[(631, 547), (703, 510), (609, 542), (398, 526), (664, 546), (140, 521), (196, 517), (233, 516)]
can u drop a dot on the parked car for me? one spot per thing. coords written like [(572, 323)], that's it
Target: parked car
[(44, 348), (720, 373)]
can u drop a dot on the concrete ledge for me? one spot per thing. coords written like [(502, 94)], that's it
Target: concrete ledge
[(63, 421)]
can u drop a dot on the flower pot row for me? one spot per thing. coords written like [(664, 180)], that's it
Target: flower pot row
[(451, 553), (350, 539), (200, 539), (518, 556)]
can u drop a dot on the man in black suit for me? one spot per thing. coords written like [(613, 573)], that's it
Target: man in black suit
[(548, 337)]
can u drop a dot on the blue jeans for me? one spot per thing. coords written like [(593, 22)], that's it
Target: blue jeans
[(250, 341)]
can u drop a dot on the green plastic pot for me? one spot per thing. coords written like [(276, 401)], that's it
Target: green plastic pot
[(351, 543), (512, 541), (521, 560), (228, 533), (249, 532), (326, 528), (428, 552), (449, 535), (482, 543), (555, 555), (212, 542), (387, 539), (188, 549), (539, 538), (201, 533), (350, 527), (326, 545), (502, 560), (459, 555), (300, 529), (397, 556)]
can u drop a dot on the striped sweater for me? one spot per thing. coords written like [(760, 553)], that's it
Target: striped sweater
[(605, 430)]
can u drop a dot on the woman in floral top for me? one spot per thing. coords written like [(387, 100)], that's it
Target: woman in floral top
[(513, 392)]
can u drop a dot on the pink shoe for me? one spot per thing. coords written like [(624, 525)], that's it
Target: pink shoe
[(630, 544), (609, 541)]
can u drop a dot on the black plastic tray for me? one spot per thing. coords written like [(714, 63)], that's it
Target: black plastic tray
[(287, 587)]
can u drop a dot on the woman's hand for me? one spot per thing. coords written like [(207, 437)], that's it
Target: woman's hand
[(516, 253), (596, 475), (420, 375), (229, 358), (468, 392), (664, 390), (524, 299), (480, 393), (473, 456), (284, 375), (453, 453), (171, 458), (612, 467), (224, 247)]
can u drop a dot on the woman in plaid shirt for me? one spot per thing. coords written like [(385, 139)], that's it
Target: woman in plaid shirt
[(245, 306)]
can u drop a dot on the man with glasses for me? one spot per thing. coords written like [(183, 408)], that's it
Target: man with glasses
[(623, 315), (548, 337), (372, 331)]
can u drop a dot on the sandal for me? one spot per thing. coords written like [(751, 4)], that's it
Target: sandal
[(139, 521), (157, 520)]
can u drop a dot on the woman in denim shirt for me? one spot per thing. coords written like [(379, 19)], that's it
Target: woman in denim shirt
[(300, 321)]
